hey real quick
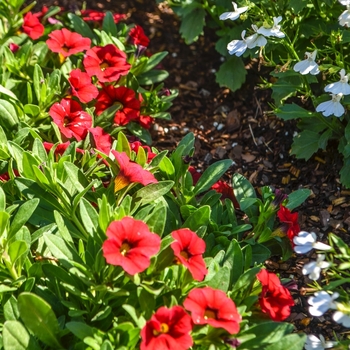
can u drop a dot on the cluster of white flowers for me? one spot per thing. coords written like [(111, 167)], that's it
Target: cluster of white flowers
[(344, 18), (258, 39)]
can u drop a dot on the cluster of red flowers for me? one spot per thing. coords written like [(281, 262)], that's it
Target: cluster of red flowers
[(106, 64), (275, 299), (169, 329)]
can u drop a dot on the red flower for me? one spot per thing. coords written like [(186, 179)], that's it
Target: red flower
[(98, 16), (13, 47), (71, 119), (130, 244), (102, 140), (6, 176), (290, 220), (138, 36), (67, 43), (32, 26), (145, 121), (167, 330), (81, 86), (213, 307), (130, 172), (226, 192), (61, 148), (275, 299), (188, 249), (195, 174), (137, 144), (108, 63), (130, 105)]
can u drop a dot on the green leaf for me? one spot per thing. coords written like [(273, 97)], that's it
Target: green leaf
[(38, 317), (344, 173), (152, 77), (297, 197), (80, 26), (305, 144), (232, 73), (234, 261), (15, 336), (23, 214), (211, 175), (260, 253), (89, 216), (290, 342), (17, 249), (192, 23), (8, 115), (154, 60), (221, 279), (152, 192), (38, 81), (11, 312), (109, 25), (199, 218), (58, 247), (292, 111)]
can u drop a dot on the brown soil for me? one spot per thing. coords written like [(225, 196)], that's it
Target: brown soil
[(239, 126)]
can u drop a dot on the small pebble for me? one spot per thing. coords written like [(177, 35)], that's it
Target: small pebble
[(234, 144), (174, 54), (220, 126), (213, 70), (295, 133), (166, 130), (215, 124)]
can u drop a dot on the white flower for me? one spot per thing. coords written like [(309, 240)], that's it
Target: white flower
[(237, 47), (332, 107), (344, 18), (274, 31), (256, 39), (322, 302), (306, 241), (341, 318), (237, 11), (313, 343), (308, 65), (341, 86), (345, 2), (313, 269)]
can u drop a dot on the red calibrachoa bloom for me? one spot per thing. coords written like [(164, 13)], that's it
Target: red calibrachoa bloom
[(167, 330), (67, 43), (32, 26), (130, 172), (130, 105), (102, 140), (213, 307), (290, 221), (60, 148), (145, 121), (108, 63), (98, 16), (130, 244), (188, 249), (226, 192), (81, 86), (138, 36), (14, 47), (137, 144), (71, 119), (275, 299)]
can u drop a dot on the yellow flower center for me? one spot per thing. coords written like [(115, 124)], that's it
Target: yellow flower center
[(104, 65), (120, 182), (184, 254), (209, 314), (124, 248), (164, 328)]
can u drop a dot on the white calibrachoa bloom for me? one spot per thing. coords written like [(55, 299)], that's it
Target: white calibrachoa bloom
[(345, 2), (275, 30), (238, 47), (237, 11), (340, 87), (342, 318), (344, 18), (321, 302), (313, 269), (332, 107), (308, 65), (306, 241), (314, 343)]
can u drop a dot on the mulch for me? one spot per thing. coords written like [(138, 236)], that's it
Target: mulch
[(242, 127)]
